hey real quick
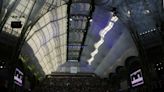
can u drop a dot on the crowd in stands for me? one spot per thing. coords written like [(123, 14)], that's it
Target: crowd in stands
[(73, 84)]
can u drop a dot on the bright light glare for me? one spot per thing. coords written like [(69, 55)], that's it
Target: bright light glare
[(102, 34)]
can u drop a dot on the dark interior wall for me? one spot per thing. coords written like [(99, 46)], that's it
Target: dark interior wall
[(7, 45)]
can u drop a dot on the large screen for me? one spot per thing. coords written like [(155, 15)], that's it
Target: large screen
[(18, 77), (136, 78)]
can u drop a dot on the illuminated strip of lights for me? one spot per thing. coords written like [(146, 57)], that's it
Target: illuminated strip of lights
[(102, 34)]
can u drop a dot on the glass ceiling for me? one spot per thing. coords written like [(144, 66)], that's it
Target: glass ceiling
[(44, 26), (55, 30), (52, 32), (48, 39), (80, 14)]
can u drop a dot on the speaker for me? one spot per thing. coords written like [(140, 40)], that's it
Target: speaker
[(16, 24)]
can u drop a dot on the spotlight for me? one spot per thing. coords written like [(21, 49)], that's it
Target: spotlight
[(151, 30), (159, 69), (90, 20), (70, 19), (129, 12)]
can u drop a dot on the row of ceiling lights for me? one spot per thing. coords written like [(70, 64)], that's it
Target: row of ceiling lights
[(146, 32), (159, 69), (145, 12), (72, 20), (159, 66), (2, 64)]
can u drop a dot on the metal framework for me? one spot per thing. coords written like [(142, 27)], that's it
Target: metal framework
[(79, 16)]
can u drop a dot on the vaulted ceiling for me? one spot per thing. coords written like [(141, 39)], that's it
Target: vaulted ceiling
[(59, 32)]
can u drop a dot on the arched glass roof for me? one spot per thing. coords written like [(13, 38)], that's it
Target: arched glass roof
[(64, 33), (48, 39), (52, 32), (44, 24)]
